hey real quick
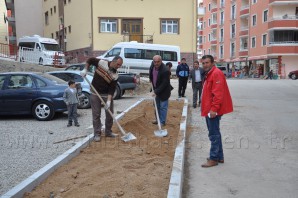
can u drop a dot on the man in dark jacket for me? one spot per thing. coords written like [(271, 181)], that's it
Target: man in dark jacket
[(182, 73), (196, 76), (159, 77)]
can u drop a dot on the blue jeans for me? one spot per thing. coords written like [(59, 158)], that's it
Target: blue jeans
[(216, 152), (162, 107)]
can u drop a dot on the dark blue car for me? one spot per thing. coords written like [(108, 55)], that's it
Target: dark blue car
[(39, 94)]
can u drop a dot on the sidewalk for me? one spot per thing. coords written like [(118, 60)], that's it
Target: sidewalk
[(260, 144)]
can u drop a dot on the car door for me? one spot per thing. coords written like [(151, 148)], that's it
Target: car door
[(19, 94), (2, 84)]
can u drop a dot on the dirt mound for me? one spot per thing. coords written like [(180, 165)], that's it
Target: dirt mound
[(112, 168)]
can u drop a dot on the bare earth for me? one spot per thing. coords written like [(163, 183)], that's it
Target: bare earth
[(112, 168)]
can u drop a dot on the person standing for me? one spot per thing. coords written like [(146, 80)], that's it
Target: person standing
[(105, 82), (270, 75), (196, 76), (216, 101), (159, 77), (182, 73), (70, 98)]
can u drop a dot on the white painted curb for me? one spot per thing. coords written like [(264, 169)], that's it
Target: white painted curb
[(34, 180), (176, 181)]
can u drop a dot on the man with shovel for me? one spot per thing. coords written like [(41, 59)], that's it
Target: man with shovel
[(105, 82), (159, 77)]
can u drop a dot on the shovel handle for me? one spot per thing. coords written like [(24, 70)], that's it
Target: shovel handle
[(156, 110), (103, 102)]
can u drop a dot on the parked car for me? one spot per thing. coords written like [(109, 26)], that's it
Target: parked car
[(126, 81), (75, 76), (293, 75), (39, 94)]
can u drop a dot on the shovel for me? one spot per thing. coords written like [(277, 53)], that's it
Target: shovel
[(126, 136), (160, 132)]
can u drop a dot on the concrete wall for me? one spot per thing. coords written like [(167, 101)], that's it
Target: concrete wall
[(29, 17), (151, 12), (3, 25), (53, 24)]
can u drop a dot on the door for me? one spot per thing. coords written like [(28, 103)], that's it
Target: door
[(133, 28), (19, 94)]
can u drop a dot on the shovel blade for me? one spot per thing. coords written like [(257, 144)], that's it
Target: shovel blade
[(161, 133), (128, 137)]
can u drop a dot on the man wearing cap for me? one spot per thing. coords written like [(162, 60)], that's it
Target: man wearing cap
[(182, 73)]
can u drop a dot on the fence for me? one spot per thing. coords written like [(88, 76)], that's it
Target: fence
[(8, 51)]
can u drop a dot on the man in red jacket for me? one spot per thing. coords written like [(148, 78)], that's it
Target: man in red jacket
[(216, 101)]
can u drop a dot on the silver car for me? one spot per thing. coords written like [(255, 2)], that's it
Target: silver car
[(75, 76)]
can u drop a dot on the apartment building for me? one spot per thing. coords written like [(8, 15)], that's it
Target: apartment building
[(3, 23), (259, 35), (89, 28)]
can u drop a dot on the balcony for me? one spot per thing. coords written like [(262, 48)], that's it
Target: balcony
[(201, 12), (283, 2), (243, 31), (283, 21), (11, 19), (244, 10), (213, 26), (282, 49), (243, 53)]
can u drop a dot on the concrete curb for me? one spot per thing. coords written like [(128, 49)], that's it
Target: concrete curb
[(34, 180), (176, 181)]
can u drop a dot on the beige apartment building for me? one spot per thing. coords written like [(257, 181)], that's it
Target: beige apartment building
[(90, 27), (261, 35), (3, 23)]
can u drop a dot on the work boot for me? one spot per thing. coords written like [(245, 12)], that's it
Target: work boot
[(219, 161), (96, 138), (77, 124), (154, 122), (111, 135), (210, 163), (69, 124)]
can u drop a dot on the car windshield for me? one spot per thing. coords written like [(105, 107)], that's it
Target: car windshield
[(53, 78), (50, 47)]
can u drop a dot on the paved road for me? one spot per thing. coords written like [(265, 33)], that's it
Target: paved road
[(260, 142)]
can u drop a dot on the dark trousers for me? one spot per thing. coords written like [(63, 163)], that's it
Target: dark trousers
[(197, 88), (96, 114), (72, 113), (182, 86), (213, 125)]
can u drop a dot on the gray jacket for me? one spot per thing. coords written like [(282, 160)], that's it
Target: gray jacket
[(192, 75), (70, 97)]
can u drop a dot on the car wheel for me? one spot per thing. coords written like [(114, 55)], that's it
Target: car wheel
[(40, 61), (117, 93), (293, 77), (85, 102), (43, 110)]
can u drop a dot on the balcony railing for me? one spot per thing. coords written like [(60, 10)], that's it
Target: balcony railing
[(233, 35), (285, 17), (201, 11), (221, 39), (283, 42), (243, 28), (244, 7), (243, 48)]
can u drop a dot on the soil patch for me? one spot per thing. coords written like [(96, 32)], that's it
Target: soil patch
[(112, 168)]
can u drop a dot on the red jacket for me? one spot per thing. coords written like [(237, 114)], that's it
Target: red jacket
[(216, 95)]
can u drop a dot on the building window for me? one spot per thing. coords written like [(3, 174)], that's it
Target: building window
[(51, 11), (64, 2), (108, 25), (65, 30), (170, 26), (254, 1), (265, 16), (221, 51), (209, 51), (209, 6), (52, 35), (209, 22), (57, 35), (232, 49), (222, 18), (264, 39), (233, 31), (253, 42), (221, 35), (233, 12), (46, 17), (209, 37), (69, 29), (254, 20), (204, 52), (54, 9)]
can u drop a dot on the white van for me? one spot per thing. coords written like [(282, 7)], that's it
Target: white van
[(44, 51), (138, 56)]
